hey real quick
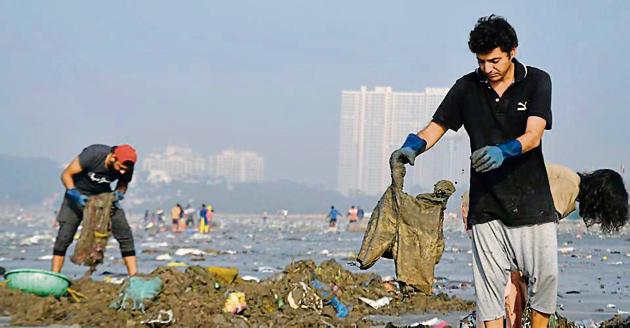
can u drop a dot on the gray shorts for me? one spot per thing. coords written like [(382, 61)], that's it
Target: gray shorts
[(70, 217), (499, 249)]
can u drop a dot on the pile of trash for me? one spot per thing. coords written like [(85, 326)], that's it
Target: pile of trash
[(304, 294)]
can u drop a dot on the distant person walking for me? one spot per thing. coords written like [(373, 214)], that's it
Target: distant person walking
[(360, 213), (204, 225), (332, 215), (92, 173), (190, 216), (176, 214), (353, 214)]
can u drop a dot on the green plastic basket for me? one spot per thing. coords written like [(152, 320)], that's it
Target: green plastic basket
[(38, 282)]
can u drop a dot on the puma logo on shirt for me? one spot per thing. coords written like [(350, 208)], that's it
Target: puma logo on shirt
[(521, 106), (96, 179)]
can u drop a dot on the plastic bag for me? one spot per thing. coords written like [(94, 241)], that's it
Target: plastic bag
[(138, 291)]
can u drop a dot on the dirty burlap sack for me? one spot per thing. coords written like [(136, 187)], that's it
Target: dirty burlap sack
[(409, 230), (95, 231)]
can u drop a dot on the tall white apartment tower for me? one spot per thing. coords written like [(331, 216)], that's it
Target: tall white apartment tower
[(374, 123)]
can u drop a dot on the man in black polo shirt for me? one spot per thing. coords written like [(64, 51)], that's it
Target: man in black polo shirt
[(505, 108), (92, 173)]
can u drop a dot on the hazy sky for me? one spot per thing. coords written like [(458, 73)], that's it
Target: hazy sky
[(267, 75)]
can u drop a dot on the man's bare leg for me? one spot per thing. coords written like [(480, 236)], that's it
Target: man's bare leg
[(57, 263), (131, 264), (496, 323), (539, 319)]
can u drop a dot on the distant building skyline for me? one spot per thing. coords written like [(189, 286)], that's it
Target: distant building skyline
[(176, 161), (373, 123), (240, 166), (182, 162)]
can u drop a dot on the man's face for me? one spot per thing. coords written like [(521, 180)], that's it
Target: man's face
[(118, 166), (495, 64)]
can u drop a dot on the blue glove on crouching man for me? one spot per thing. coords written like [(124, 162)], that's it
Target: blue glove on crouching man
[(489, 158), (78, 198), (413, 146)]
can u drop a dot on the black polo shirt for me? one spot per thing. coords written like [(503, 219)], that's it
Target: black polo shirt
[(517, 193)]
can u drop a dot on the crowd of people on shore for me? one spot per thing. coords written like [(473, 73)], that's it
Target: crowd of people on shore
[(355, 214), (182, 219)]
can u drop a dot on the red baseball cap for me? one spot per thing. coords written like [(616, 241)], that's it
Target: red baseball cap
[(125, 153)]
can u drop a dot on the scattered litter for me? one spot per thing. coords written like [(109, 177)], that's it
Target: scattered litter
[(328, 293), (604, 258), (378, 303), (266, 269), (250, 278), (189, 251), (164, 257), (45, 258), (302, 296), (154, 245), (177, 264), (33, 240), (566, 250), (167, 320), (611, 306), (226, 275), (235, 303), (139, 291), (114, 280), (435, 323)]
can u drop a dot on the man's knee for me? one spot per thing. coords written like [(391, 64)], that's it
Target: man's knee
[(122, 233)]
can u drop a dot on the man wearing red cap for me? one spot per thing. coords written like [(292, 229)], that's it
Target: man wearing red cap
[(91, 173)]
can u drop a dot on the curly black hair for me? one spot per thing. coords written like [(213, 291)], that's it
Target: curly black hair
[(603, 199), (491, 32)]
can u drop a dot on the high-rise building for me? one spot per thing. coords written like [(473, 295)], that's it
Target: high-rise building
[(374, 123), (239, 166), (175, 162)]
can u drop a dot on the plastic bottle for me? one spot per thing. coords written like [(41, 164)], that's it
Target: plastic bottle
[(340, 309)]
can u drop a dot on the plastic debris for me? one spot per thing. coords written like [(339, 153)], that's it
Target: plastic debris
[(137, 290), (114, 280), (435, 323), (340, 309), (45, 258), (235, 303), (250, 278), (36, 239), (226, 275), (164, 318), (376, 304), (154, 245), (189, 251), (302, 296), (566, 250), (266, 269), (164, 257)]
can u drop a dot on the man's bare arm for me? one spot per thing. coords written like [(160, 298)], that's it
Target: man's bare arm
[(122, 186), (533, 133), (72, 169), (432, 133)]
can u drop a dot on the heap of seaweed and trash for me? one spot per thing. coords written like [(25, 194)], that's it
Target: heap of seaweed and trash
[(304, 294)]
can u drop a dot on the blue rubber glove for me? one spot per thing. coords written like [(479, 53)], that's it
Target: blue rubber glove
[(77, 197), (118, 196), (412, 147), (489, 158)]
